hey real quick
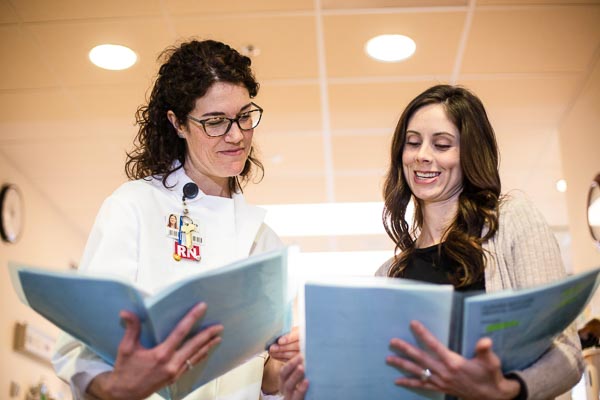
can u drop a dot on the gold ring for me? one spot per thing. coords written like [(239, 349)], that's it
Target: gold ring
[(425, 375)]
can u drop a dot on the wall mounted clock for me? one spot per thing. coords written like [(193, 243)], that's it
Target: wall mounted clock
[(12, 213)]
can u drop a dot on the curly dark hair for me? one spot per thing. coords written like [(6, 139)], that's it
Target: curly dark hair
[(187, 73), (480, 197)]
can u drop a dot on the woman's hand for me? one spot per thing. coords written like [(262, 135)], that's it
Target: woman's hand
[(139, 372), (291, 379), (477, 378), (287, 346)]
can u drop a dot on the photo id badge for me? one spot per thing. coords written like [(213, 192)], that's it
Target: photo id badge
[(186, 237)]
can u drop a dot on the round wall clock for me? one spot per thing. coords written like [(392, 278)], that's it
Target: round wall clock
[(12, 216)]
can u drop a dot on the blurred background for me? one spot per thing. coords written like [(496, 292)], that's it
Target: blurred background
[(330, 111)]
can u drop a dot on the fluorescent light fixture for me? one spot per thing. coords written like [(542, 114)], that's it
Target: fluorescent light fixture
[(327, 219), (112, 56), (390, 48), (561, 185)]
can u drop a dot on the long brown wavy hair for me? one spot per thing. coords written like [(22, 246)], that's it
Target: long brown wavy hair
[(187, 73), (480, 197)]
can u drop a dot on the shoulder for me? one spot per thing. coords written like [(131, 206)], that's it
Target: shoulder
[(385, 268), (129, 198), (514, 201), (139, 187), (266, 233), (137, 192), (266, 240), (516, 209)]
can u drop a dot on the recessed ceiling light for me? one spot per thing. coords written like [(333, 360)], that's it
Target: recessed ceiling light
[(561, 185), (390, 48), (112, 56)]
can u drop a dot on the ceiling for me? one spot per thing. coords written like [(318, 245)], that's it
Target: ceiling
[(329, 109)]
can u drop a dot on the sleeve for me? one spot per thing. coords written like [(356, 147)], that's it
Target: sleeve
[(266, 240), (385, 267), (271, 396), (77, 365), (534, 258), (111, 250)]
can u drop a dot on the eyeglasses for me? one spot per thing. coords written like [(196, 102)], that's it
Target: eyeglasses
[(219, 126)]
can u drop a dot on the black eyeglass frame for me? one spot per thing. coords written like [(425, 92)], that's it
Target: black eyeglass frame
[(231, 121)]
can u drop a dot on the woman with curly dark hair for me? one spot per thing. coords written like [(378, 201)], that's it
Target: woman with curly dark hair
[(182, 212), (444, 159)]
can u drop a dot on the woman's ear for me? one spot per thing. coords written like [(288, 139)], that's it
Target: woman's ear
[(175, 122)]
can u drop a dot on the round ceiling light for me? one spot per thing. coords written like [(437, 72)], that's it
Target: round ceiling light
[(112, 56), (390, 48)]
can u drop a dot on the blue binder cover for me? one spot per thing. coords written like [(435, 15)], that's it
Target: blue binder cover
[(348, 330), (249, 298), (349, 324)]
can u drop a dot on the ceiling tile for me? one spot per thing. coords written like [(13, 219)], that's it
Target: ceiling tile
[(361, 106), (183, 7), (42, 10), (7, 13), (534, 2), (550, 39), (287, 153), (358, 152), (346, 36), (53, 132), (109, 101), (366, 4), (35, 105), (295, 38), (65, 46), (23, 66), (289, 108)]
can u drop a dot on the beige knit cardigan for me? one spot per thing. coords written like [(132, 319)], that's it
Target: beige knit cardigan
[(524, 253)]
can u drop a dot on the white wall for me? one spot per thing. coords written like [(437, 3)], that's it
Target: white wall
[(580, 152), (47, 242)]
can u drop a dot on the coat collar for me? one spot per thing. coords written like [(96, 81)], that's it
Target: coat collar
[(248, 218)]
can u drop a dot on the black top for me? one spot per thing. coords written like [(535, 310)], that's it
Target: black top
[(431, 264), (428, 265)]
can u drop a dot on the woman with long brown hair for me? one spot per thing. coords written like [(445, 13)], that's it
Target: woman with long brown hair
[(444, 159)]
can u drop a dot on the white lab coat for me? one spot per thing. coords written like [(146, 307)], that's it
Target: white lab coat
[(129, 240)]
